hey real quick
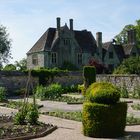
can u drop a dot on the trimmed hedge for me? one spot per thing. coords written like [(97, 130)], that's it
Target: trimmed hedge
[(89, 75), (104, 93), (106, 121)]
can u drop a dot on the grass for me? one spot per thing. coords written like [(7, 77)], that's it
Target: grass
[(77, 116), (136, 106)]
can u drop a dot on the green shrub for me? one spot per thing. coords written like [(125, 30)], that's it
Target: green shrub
[(69, 89), (81, 89), (2, 94), (32, 114), (124, 92), (89, 75), (100, 120), (50, 92), (40, 92), (102, 92), (19, 117)]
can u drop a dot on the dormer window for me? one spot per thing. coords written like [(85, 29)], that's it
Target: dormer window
[(35, 59)]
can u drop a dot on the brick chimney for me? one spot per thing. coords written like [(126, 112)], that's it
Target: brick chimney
[(71, 24), (99, 43), (58, 22)]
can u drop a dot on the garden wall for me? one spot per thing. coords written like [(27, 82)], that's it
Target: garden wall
[(15, 80)]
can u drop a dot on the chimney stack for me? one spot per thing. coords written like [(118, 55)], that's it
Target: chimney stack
[(58, 22), (131, 34), (71, 24), (99, 43)]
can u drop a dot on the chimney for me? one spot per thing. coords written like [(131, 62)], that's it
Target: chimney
[(99, 43), (131, 34), (71, 24), (58, 22)]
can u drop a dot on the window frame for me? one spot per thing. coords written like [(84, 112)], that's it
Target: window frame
[(35, 59), (54, 58), (79, 58)]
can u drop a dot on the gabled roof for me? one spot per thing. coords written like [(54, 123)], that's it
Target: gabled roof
[(84, 38), (118, 49)]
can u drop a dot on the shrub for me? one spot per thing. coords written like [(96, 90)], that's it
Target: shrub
[(50, 92), (124, 91), (40, 92), (89, 75), (68, 89), (54, 91), (100, 120), (81, 89), (2, 94), (19, 118), (103, 92), (32, 114)]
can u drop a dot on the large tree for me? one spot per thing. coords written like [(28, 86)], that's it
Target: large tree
[(22, 64), (129, 66), (5, 45), (122, 36)]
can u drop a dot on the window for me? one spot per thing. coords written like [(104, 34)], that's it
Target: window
[(53, 56), (110, 55), (79, 58), (35, 59), (66, 42)]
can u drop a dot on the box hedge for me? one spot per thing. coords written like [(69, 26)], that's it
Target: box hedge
[(106, 121), (103, 92)]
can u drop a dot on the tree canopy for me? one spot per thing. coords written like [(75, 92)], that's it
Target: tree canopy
[(22, 64), (129, 66), (121, 38), (5, 45)]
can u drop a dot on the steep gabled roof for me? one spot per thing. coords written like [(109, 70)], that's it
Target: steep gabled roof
[(118, 49), (45, 41), (84, 38), (86, 41)]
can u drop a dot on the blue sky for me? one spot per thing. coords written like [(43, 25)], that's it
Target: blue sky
[(27, 20)]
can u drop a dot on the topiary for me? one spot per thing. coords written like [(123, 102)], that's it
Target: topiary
[(103, 92), (89, 75), (104, 121)]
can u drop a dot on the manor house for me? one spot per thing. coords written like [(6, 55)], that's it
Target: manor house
[(65, 44)]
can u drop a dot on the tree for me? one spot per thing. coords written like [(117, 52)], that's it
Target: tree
[(122, 38), (22, 64), (9, 67), (5, 45), (129, 66)]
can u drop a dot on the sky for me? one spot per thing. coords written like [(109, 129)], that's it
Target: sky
[(27, 20)]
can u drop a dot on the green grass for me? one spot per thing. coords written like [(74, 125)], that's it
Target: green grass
[(77, 116), (136, 106)]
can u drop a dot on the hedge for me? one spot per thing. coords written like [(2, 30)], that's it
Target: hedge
[(106, 121)]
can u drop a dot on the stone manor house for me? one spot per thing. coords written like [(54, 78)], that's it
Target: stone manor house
[(64, 44)]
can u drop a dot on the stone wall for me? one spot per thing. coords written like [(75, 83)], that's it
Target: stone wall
[(16, 80)]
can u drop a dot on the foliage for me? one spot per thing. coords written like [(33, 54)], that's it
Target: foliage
[(2, 94), (122, 38), (81, 89), (5, 45), (77, 115), (50, 92), (68, 89), (103, 92), (99, 119), (22, 64), (69, 66), (9, 67), (136, 106), (19, 117), (124, 92), (89, 75), (32, 114), (132, 120), (129, 66), (46, 75), (100, 68)]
